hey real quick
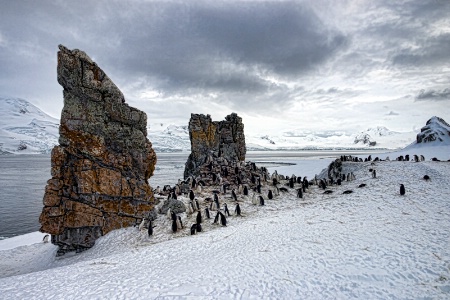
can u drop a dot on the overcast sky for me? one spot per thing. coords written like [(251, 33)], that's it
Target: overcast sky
[(281, 65)]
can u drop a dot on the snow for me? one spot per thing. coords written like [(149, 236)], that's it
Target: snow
[(25, 129), (371, 244)]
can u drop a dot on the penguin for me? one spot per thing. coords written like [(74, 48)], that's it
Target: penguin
[(347, 192), (238, 180), (223, 220), (291, 183), (158, 190), (214, 177), (362, 185), (199, 217), (194, 183), (276, 192), (300, 193), (237, 210), (191, 204), (426, 177), (240, 189), (191, 195), (339, 181), (150, 228), (174, 226), (374, 173), (169, 214), (142, 224), (261, 201), (180, 224), (217, 204), (274, 181), (46, 237), (258, 188), (283, 189), (402, 189), (193, 229), (328, 192), (190, 210), (270, 195), (233, 194), (174, 195), (225, 209), (216, 218), (199, 227), (254, 200), (197, 205), (207, 213), (245, 191)]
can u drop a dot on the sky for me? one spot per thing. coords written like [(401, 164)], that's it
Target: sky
[(303, 66)]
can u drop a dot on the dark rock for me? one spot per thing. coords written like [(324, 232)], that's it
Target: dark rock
[(175, 206), (211, 140)]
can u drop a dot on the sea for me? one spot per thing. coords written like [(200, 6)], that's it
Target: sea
[(23, 179)]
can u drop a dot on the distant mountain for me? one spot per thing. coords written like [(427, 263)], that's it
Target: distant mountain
[(378, 137), (24, 128), (169, 137), (435, 131)]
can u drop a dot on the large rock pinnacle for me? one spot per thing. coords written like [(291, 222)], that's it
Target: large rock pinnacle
[(100, 169), (210, 139)]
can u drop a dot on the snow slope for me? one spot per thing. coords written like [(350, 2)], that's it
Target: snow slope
[(25, 129), (371, 244)]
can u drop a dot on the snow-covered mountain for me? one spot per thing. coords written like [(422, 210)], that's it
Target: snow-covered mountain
[(24, 128), (435, 131), (378, 137), (169, 137)]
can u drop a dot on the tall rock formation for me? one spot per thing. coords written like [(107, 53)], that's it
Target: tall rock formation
[(100, 169), (224, 139)]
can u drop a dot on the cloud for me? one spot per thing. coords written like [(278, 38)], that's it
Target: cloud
[(392, 113), (433, 95)]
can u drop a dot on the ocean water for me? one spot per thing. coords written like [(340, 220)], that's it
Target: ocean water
[(23, 179)]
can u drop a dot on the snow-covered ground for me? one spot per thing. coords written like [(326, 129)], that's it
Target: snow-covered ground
[(370, 244)]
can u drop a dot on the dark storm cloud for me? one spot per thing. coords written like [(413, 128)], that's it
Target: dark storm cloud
[(227, 47), (434, 95), (179, 47), (418, 27)]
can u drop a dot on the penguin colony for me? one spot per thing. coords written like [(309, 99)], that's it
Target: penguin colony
[(221, 183)]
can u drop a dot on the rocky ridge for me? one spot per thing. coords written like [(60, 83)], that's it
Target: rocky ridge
[(101, 167), (436, 130)]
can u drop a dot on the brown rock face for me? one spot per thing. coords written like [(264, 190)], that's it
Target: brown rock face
[(101, 168), (209, 140)]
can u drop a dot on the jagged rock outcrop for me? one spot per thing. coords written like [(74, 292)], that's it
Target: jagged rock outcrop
[(211, 140), (436, 129), (100, 169), (364, 139)]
